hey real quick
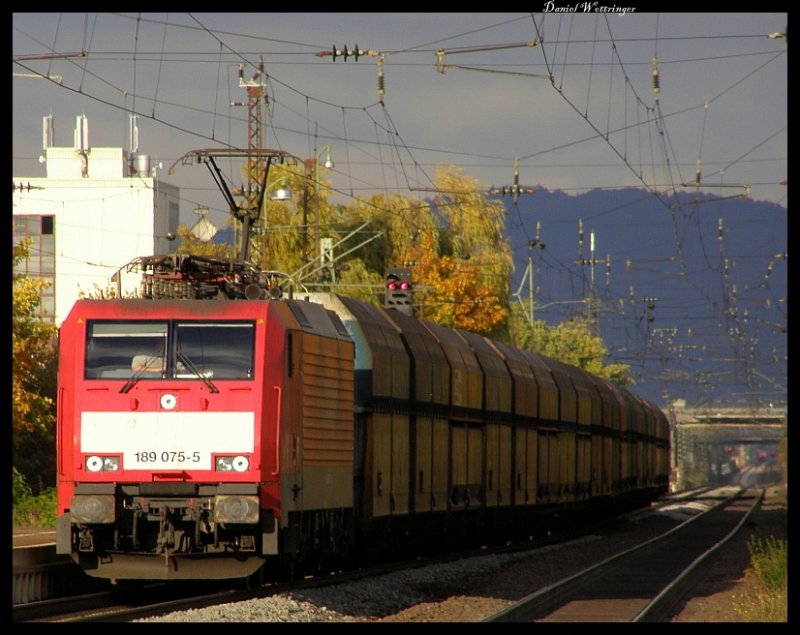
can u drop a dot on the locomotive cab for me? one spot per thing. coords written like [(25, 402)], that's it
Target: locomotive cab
[(160, 404)]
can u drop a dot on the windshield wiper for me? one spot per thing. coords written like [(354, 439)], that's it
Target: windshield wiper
[(139, 373), (190, 365)]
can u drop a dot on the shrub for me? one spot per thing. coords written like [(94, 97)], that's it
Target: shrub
[(35, 511), (769, 564), (770, 561), (20, 490)]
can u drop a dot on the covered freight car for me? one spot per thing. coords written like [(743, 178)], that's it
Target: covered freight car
[(463, 438)]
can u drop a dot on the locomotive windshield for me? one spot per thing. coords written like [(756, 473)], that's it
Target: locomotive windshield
[(214, 349), (169, 349)]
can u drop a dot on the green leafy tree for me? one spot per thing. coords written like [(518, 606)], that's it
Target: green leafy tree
[(570, 342), (190, 244), (277, 236), (33, 381)]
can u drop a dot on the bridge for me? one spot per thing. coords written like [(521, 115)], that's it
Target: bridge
[(709, 443), (709, 414)]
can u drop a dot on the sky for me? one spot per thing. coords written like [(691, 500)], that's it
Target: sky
[(564, 98)]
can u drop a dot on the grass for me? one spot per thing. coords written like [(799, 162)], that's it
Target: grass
[(35, 511), (29, 509), (767, 601)]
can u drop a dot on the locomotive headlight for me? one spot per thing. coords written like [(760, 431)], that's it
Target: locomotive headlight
[(231, 508), (232, 464), (96, 463), (92, 509)]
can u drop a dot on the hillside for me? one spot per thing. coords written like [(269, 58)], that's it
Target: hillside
[(694, 299)]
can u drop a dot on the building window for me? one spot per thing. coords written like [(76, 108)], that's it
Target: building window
[(41, 262), (174, 214)]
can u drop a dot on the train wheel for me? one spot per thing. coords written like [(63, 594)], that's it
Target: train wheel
[(255, 580), (125, 588), (288, 570)]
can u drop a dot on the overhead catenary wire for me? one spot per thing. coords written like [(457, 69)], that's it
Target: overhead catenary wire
[(662, 133), (401, 155)]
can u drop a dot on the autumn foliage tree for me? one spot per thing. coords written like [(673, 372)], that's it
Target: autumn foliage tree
[(33, 381), (466, 283), (454, 245)]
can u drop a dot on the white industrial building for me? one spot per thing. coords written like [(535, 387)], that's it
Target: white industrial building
[(95, 211)]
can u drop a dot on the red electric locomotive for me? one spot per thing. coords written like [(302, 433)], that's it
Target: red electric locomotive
[(180, 445), (199, 438)]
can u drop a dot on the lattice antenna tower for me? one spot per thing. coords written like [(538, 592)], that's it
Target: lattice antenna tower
[(256, 164)]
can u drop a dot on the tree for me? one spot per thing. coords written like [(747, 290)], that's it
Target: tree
[(570, 342), (190, 244), (33, 381), (454, 246), (460, 261), (455, 296), (471, 276)]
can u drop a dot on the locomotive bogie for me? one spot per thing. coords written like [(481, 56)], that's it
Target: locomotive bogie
[(160, 528)]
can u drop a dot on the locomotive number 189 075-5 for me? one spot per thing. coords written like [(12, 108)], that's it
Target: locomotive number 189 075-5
[(165, 456)]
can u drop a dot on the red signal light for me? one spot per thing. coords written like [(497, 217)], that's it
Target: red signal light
[(398, 285), (398, 290)]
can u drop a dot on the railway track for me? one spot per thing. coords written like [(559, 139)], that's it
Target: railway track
[(159, 599), (109, 606), (644, 584)]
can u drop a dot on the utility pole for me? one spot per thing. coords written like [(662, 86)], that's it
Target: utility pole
[(532, 244), (515, 189), (528, 275), (591, 262), (256, 87), (312, 173)]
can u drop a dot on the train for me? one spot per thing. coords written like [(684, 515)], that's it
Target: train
[(217, 427)]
